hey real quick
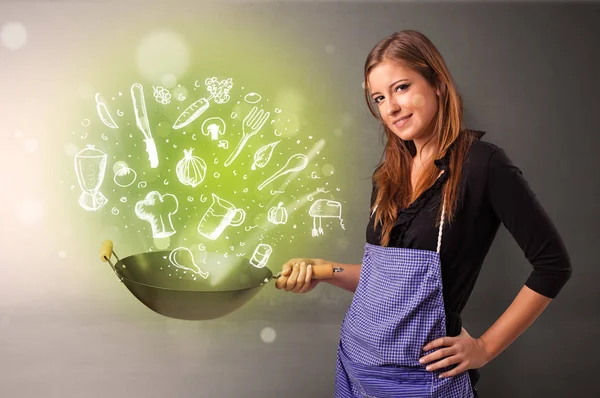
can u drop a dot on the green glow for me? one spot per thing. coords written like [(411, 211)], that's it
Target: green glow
[(292, 87)]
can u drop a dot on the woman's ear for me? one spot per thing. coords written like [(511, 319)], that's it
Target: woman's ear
[(440, 89)]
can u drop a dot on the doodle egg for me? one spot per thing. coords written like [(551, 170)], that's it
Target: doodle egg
[(252, 98)]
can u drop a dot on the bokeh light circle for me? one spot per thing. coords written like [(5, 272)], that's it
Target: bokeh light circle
[(163, 55)]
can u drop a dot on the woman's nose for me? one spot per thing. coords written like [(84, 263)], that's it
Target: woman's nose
[(393, 107)]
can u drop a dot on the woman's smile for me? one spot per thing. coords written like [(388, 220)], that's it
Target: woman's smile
[(402, 121)]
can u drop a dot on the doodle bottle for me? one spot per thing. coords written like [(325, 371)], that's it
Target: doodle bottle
[(90, 167)]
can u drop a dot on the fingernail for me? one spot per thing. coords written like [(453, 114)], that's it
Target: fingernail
[(421, 360), (428, 367), (440, 376), (309, 265)]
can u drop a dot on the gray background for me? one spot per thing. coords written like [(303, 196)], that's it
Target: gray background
[(529, 76)]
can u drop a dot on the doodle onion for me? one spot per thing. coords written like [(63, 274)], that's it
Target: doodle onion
[(191, 170)]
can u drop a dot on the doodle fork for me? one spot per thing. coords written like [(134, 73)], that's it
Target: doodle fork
[(253, 122)]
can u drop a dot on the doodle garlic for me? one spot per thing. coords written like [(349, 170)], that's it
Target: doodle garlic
[(191, 170)]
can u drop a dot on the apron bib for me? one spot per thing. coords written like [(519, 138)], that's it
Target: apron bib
[(397, 308)]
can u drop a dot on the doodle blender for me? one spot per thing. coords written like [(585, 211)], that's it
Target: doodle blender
[(171, 189)]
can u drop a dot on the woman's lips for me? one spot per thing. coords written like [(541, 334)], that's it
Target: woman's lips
[(402, 122)]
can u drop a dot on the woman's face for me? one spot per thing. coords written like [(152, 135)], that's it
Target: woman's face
[(407, 102)]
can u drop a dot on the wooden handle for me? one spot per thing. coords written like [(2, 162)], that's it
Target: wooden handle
[(106, 250), (322, 271)]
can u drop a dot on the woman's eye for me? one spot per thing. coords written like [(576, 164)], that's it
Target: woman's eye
[(377, 100), (403, 86)]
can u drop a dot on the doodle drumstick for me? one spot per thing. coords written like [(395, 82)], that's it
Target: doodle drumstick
[(141, 120)]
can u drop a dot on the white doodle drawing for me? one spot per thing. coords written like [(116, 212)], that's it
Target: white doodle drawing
[(103, 113), (223, 144), (219, 93), (278, 214), (252, 123), (219, 90), (191, 170), (181, 97), (295, 163), (120, 112), (157, 209), (312, 153), (324, 208), (263, 155), (85, 122), (219, 216), (214, 126), (314, 175), (183, 258), (124, 176), (274, 192), (90, 168), (191, 113), (104, 137), (322, 190), (214, 131), (142, 122), (252, 98), (261, 255), (162, 95)]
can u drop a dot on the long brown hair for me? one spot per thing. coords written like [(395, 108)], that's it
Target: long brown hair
[(392, 176)]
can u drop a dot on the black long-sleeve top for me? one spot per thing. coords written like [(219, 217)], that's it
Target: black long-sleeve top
[(493, 191)]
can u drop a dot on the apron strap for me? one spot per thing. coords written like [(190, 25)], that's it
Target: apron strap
[(439, 244)]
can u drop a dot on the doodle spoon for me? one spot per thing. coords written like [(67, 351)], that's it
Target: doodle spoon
[(301, 162)]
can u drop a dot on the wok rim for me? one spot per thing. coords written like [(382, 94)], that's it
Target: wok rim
[(120, 262)]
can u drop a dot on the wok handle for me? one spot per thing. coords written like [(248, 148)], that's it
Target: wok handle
[(106, 250), (106, 253), (322, 271)]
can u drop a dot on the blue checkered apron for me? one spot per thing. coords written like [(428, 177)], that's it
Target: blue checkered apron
[(397, 308)]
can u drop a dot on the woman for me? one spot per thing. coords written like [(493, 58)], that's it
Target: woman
[(439, 196)]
